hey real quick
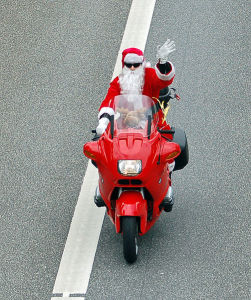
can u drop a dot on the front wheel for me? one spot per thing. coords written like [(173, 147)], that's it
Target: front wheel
[(130, 234)]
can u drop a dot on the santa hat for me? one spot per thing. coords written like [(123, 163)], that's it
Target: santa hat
[(132, 56)]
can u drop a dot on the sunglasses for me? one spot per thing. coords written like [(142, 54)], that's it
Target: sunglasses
[(136, 65)]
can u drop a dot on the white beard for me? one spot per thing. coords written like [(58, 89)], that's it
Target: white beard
[(132, 82)]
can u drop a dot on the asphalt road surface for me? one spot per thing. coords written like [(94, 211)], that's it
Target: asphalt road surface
[(57, 58)]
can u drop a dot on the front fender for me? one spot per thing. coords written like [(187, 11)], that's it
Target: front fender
[(131, 203)]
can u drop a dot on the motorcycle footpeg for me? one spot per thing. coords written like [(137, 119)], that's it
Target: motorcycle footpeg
[(98, 199), (168, 201), (167, 204), (168, 207), (99, 202)]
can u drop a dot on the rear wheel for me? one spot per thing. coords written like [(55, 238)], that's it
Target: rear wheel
[(130, 234)]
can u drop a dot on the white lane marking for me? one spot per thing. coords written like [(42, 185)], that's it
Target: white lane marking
[(76, 264), (78, 256), (68, 296)]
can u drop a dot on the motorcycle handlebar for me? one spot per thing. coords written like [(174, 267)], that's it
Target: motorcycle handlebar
[(160, 131), (167, 131)]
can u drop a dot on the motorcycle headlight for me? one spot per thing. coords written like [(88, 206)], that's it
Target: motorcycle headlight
[(129, 167)]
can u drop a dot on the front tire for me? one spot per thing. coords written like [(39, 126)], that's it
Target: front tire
[(130, 234)]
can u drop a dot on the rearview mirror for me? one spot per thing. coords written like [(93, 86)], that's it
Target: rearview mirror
[(170, 151), (91, 150)]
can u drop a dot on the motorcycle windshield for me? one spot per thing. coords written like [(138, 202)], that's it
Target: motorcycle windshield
[(135, 114)]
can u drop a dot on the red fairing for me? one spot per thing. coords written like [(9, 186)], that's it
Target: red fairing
[(138, 186)]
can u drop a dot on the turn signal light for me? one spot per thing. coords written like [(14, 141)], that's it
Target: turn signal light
[(89, 154), (91, 150), (172, 155)]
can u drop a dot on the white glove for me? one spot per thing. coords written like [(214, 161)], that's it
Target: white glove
[(165, 50), (102, 124)]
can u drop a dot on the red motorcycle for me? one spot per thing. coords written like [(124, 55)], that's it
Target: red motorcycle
[(132, 158)]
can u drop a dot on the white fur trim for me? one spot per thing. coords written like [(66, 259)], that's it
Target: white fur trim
[(107, 110), (131, 58), (148, 64), (168, 76)]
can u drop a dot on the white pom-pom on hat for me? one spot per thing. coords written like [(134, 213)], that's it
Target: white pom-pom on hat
[(148, 64)]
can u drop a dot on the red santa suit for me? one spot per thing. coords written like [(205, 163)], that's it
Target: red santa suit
[(153, 80)]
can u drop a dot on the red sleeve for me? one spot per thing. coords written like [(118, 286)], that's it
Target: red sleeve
[(162, 80), (113, 91)]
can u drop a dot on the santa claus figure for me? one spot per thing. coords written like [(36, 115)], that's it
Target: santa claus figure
[(137, 77)]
